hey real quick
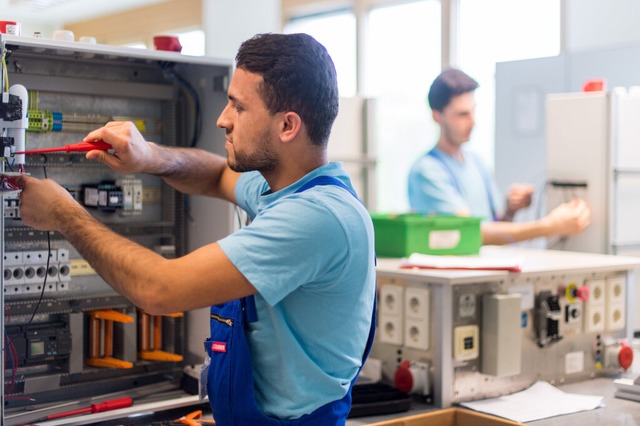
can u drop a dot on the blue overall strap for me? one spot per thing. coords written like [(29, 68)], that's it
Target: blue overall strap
[(325, 180), (434, 153)]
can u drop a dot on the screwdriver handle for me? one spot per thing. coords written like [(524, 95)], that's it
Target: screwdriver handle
[(87, 146), (112, 404)]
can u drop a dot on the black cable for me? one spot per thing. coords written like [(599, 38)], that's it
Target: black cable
[(44, 284), (170, 73)]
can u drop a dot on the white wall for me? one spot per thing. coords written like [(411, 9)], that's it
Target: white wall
[(592, 24), (228, 23)]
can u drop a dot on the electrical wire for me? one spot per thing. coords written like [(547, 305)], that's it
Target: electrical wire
[(170, 73), (5, 74)]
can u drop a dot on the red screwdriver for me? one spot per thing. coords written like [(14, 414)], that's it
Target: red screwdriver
[(76, 147), (112, 404)]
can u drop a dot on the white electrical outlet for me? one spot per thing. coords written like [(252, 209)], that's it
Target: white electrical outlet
[(416, 334), (596, 292), (615, 316), (616, 290), (467, 305), (390, 329), (390, 307), (416, 321), (594, 317), (416, 303), (391, 300), (615, 303), (594, 307)]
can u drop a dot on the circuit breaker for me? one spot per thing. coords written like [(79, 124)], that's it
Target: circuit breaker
[(65, 328)]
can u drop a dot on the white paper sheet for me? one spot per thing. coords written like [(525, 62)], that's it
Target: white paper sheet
[(539, 401), (481, 262)]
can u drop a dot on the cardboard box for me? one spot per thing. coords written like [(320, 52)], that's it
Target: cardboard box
[(448, 417)]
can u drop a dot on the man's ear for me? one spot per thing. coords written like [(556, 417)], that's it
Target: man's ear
[(437, 115), (291, 126)]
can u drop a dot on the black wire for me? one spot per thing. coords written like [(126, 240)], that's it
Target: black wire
[(170, 73), (44, 284), (44, 165)]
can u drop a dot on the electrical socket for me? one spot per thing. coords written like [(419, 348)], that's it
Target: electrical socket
[(595, 306), (615, 306), (390, 329), (594, 318), (615, 289), (596, 292), (416, 303), (391, 300), (467, 305), (416, 322), (416, 334)]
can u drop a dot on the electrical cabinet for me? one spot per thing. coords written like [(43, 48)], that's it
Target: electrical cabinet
[(603, 128), (564, 318), (65, 329)]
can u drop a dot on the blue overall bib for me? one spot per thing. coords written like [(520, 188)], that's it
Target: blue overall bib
[(230, 379)]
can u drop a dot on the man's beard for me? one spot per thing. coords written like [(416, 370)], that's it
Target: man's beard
[(262, 160)]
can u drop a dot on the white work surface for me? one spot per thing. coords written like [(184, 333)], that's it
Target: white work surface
[(534, 261)]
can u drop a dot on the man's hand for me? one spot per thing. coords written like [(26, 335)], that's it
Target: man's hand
[(131, 153), (44, 204), (519, 197), (569, 218)]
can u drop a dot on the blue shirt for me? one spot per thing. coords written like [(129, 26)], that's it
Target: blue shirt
[(310, 257), (439, 184)]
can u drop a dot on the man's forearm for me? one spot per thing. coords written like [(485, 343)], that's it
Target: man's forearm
[(497, 233), (191, 171), (123, 264)]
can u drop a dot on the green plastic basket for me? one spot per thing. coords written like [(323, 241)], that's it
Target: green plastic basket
[(400, 235)]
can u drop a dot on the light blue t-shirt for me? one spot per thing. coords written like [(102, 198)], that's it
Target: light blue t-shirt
[(310, 256), (440, 184)]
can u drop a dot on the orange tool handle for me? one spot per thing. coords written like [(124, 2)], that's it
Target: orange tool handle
[(113, 404), (76, 147)]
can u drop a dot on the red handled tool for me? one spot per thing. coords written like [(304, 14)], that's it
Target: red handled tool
[(76, 147), (112, 404)]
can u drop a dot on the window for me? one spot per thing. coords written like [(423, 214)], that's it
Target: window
[(493, 31), (402, 51), (337, 33)]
